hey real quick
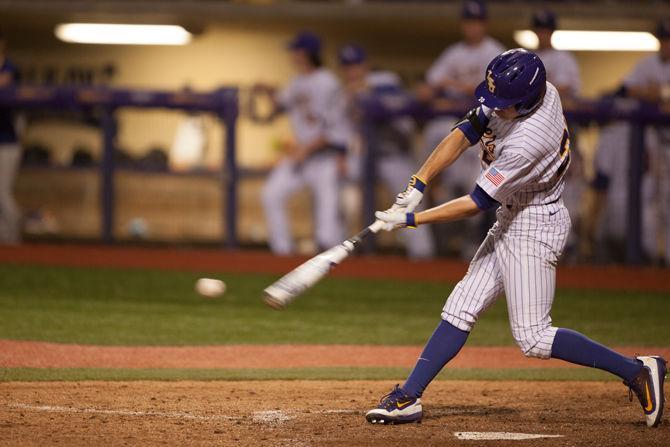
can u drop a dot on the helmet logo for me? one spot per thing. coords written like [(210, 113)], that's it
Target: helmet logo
[(489, 81)]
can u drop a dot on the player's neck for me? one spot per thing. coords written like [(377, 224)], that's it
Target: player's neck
[(475, 42), (308, 70)]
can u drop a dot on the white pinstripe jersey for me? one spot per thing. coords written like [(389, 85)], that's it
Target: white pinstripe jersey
[(524, 160), (316, 107)]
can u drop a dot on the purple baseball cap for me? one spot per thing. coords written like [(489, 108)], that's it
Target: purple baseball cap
[(306, 41), (351, 54), (474, 9)]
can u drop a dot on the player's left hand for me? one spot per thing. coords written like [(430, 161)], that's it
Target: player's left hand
[(395, 219), (411, 197)]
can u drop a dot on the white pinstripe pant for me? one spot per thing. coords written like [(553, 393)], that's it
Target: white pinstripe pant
[(518, 256)]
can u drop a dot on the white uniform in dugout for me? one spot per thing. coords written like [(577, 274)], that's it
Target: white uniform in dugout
[(524, 161), (654, 71), (314, 103)]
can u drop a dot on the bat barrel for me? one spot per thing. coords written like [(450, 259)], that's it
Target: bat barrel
[(281, 293), (273, 301)]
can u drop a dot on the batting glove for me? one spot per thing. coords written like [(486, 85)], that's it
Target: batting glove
[(395, 219), (410, 198)]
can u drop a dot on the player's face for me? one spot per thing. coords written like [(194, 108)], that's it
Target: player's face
[(544, 37), (507, 114), (473, 30), (299, 60), (354, 72)]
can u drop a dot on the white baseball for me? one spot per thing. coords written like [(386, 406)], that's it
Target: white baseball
[(210, 288)]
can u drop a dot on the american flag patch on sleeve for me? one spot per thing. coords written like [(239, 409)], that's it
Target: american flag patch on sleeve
[(494, 176)]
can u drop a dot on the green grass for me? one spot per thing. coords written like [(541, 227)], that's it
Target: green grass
[(145, 307), (398, 374)]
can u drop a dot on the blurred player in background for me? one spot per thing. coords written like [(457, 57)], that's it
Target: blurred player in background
[(563, 73), (315, 105), (650, 81), (10, 156), (562, 68), (393, 144), (607, 204), (451, 82)]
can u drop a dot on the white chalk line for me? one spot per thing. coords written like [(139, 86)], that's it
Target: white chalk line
[(272, 417), (337, 412), (499, 436), (167, 414), (266, 417)]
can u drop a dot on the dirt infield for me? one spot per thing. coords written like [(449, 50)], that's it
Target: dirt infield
[(610, 277), (315, 413), (56, 355)]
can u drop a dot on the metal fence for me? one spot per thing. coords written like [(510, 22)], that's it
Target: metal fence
[(223, 103), (639, 114)]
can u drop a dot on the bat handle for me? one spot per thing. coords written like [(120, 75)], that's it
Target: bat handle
[(356, 240), (376, 226)]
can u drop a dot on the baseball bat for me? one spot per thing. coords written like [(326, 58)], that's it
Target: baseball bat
[(287, 288)]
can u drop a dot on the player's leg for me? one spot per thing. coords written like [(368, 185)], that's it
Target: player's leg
[(284, 180), (393, 171), (529, 270), (321, 174), (470, 298)]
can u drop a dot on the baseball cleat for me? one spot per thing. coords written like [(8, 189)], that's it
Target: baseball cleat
[(648, 387), (396, 408)]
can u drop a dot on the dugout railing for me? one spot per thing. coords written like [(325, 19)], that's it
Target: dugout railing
[(222, 103)]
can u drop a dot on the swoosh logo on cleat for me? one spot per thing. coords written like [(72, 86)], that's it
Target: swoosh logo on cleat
[(650, 404), (402, 405)]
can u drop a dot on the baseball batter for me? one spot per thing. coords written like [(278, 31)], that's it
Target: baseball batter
[(525, 154), (315, 105)]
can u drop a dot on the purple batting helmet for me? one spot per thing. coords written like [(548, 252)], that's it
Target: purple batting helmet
[(514, 78)]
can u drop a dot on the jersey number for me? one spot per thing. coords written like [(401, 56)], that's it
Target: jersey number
[(564, 152)]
